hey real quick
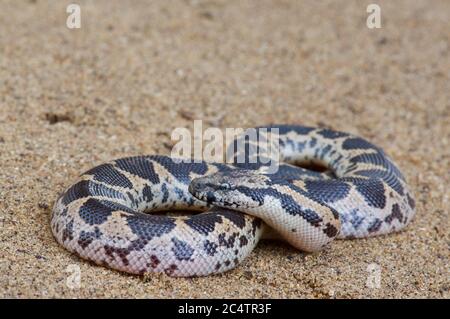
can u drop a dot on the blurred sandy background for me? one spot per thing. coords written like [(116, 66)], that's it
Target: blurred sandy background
[(71, 99)]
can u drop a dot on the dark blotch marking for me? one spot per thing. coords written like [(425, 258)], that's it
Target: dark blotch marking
[(84, 189), (327, 191), (355, 219), (236, 218), (256, 224), (357, 143), (148, 227), (376, 225), (325, 151), (284, 129), (390, 178), (327, 133), (172, 268), (68, 231), (379, 159), (180, 171), (330, 230), (411, 201), (139, 166), (181, 249), (86, 238), (65, 211), (210, 247), (372, 190), (165, 192), (108, 174), (147, 193), (116, 206), (79, 190), (123, 252), (204, 223), (243, 241), (93, 213), (84, 241), (312, 217), (96, 212), (154, 261), (395, 214), (180, 193), (228, 243), (287, 202)]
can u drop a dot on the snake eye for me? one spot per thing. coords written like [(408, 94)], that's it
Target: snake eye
[(225, 186)]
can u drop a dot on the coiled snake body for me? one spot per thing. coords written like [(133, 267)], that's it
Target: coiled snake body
[(108, 217)]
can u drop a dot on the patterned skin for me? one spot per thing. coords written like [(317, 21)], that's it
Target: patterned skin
[(108, 215)]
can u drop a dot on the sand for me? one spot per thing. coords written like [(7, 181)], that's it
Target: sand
[(71, 99)]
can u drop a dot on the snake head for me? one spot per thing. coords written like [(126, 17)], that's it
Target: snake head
[(238, 189)]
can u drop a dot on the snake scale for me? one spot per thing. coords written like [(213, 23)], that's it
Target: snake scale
[(110, 214)]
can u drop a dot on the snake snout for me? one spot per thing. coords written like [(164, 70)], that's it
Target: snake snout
[(203, 190), (207, 188), (223, 191), (197, 185)]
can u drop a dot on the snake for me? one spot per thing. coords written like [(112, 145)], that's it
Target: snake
[(161, 214)]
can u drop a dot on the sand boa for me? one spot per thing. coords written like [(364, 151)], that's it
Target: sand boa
[(104, 217)]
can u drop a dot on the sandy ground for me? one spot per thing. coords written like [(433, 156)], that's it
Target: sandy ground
[(71, 99)]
